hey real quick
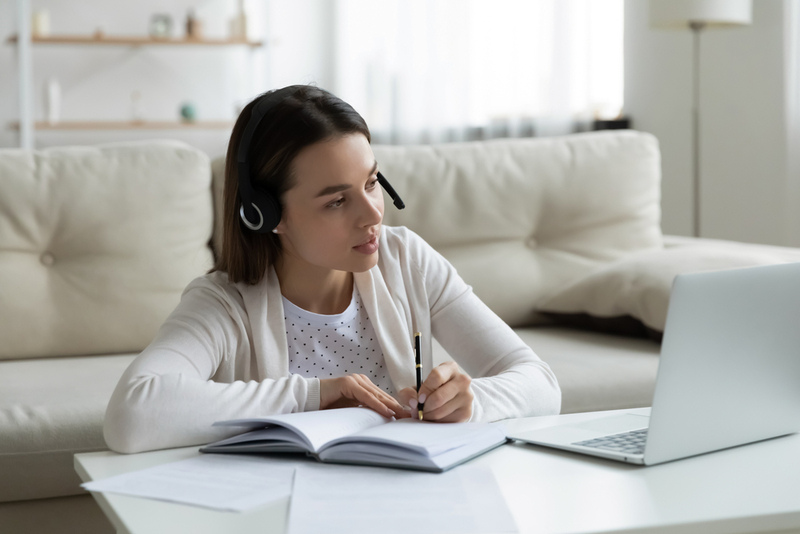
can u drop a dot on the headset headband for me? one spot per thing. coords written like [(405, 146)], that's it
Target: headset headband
[(249, 210)]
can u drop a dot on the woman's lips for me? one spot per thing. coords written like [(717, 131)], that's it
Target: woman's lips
[(370, 247)]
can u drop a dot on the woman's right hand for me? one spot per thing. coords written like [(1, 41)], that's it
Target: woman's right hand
[(358, 390)]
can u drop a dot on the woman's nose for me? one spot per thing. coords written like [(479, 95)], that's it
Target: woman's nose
[(371, 209)]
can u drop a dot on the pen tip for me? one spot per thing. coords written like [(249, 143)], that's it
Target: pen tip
[(420, 415)]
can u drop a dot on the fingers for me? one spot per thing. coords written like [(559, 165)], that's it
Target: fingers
[(405, 395), (438, 376), (361, 388), (456, 410), (448, 397)]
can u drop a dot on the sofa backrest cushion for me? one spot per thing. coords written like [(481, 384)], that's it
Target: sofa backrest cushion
[(524, 218), (97, 244)]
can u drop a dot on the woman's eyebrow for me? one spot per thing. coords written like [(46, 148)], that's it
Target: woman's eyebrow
[(331, 189)]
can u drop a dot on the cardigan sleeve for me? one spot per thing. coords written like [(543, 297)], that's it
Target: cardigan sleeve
[(508, 378), (191, 375)]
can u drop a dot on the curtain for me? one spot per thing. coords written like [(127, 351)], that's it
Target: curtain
[(448, 70)]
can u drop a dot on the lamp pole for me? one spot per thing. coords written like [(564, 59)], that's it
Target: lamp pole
[(696, 28), (698, 15)]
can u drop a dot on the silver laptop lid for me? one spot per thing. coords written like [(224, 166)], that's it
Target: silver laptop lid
[(730, 367)]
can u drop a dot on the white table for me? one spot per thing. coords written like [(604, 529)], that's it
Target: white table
[(755, 488)]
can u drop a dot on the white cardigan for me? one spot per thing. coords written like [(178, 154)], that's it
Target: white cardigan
[(222, 354)]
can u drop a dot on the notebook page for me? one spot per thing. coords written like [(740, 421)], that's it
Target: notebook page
[(318, 427), (426, 438)]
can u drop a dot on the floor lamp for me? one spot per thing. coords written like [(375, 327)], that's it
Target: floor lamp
[(697, 15)]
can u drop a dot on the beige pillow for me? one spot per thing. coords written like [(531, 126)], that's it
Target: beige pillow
[(98, 243), (639, 286)]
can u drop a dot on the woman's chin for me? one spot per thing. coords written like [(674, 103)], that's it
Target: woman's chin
[(366, 263)]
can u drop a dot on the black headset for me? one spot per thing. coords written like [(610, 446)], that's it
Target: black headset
[(259, 204)]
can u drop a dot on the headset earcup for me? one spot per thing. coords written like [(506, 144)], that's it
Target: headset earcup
[(269, 208)]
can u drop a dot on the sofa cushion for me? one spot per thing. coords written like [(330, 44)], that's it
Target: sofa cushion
[(51, 409), (97, 244), (218, 188), (523, 218), (597, 371), (639, 285)]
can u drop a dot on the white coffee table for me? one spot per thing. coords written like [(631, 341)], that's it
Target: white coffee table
[(755, 488)]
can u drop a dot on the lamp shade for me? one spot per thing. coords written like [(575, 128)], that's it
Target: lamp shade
[(681, 13)]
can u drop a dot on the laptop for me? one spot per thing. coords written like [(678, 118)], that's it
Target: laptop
[(729, 373)]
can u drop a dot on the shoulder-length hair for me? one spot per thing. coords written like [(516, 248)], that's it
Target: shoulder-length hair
[(307, 115)]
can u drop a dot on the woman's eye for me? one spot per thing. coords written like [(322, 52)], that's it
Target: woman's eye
[(336, 203), (372, 184)]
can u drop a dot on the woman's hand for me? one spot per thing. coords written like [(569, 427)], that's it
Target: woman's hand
[(358, 390), (446, 395)]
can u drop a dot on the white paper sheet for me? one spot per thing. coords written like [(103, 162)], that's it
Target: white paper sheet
[(350, 500), (220, 481)]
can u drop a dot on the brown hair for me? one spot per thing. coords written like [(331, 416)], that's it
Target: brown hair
[(307, 115)]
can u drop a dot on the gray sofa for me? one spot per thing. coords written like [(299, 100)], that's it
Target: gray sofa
[(97, 243)]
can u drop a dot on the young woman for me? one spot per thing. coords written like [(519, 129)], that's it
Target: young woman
[(313, 304)]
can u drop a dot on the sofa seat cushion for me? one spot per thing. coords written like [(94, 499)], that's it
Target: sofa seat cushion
[(597, 371), (98, 243), (51, 409)]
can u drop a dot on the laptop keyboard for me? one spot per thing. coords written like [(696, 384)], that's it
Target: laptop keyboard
[(628, 442)]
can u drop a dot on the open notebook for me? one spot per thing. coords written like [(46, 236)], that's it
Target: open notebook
[(362, 436)]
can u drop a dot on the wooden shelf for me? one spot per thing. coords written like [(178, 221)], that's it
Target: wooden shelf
[(134, 41), (130, 125)]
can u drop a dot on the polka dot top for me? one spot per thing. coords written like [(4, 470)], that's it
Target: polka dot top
[(329, 346)]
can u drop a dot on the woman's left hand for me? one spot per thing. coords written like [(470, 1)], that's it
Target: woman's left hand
[(446, 394)]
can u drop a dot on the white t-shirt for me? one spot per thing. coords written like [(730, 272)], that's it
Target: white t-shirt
[(329, 346)]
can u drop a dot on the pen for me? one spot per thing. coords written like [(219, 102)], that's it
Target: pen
[(419, 371)]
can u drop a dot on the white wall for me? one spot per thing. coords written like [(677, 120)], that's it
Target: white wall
[(303, 53), (744, 166)]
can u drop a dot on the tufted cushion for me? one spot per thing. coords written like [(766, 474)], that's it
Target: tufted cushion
[(522, 218), (97, 244)]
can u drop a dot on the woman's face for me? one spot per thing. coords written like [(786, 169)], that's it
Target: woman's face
[(332, 216)]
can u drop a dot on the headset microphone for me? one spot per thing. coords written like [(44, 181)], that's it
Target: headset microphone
[(398, 202), (260, 211)]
